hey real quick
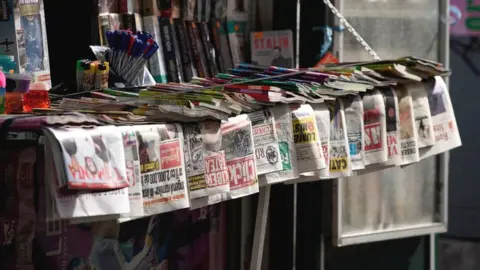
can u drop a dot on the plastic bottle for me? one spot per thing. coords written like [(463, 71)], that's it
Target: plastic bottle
[(36, 97)]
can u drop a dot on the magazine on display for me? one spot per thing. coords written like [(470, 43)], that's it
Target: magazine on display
[(238, 145), (272, 48)]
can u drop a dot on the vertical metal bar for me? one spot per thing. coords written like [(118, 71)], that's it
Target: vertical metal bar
[(260, 228), (297, 37), (338, 36), (442, 159), (245, 231)]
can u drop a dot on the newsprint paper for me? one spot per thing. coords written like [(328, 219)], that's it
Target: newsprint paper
[(162, 162), (132, 165), (421, 112), (340, 163), (206, 166), (354, 117), (444, 123), (265, 140), (307, 140), (288, 154), (375, 138), (408, 133), (239, 151)]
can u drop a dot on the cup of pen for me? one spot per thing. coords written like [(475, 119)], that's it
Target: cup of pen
[(129, 53)]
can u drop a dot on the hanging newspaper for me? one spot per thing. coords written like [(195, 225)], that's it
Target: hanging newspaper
[(393, 127), (206, 167), (444, 123), (408, 133), (307, 140), (161, 164), (288, 154), (91, 158), (340, 163), (237, 143), (132, 165), (265, 140), (67, 204), (376, 150), (322, 115), (354, 118), (421, 112)]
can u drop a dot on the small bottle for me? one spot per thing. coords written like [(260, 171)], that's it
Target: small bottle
[(36, 97)]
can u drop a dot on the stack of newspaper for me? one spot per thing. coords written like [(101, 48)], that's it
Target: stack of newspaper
[(227, 136)]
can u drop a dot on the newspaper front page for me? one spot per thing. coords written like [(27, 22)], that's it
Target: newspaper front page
[(288, 154), (237, 143), (408, 133), (70, 204), (445, 130), (340, 162), (91, 158), (162, 168), (307, 140), (376, 150), (393, 128), (132, 165), (421, 112), (206, 166), (354, 117), (265, 139)]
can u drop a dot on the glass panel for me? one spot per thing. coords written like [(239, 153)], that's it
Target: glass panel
[(395, 197)]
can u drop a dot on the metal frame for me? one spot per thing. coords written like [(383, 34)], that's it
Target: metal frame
[(341, 239)]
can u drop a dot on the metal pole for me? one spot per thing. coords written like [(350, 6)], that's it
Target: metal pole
[(260, 228)]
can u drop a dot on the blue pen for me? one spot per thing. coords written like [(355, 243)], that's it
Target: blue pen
[(140, 63)]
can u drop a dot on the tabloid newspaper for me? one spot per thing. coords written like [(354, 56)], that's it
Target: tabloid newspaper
[(307, 140), (239, 151), (354, 118), (206, 166), (375, 136), (444, 123), (340, 163), (90, 158), (408, 133), (286, 145), (161, 164), (272, 48), (322, 115), (63, 203), (421, 112), (132, 165), (392, 116), (265, 141)]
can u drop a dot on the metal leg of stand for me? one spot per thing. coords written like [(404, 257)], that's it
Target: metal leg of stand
[(260, 228)]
